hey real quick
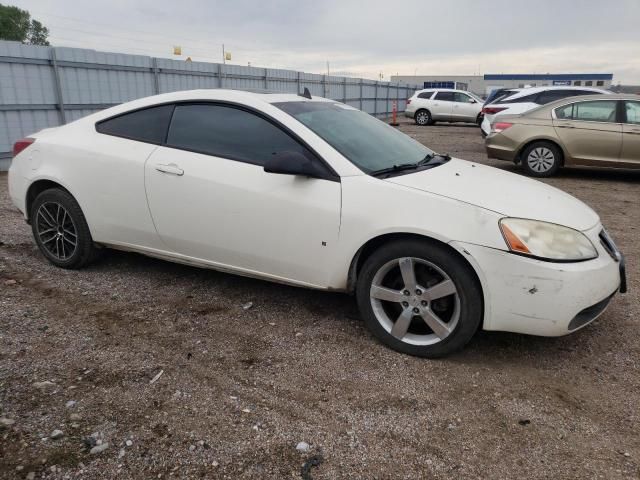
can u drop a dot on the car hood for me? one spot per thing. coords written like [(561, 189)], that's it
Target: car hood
[(506, 193)]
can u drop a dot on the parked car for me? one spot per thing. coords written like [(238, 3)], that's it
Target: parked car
[(525, 99), (314, 193), (444, 104), (594, 130)]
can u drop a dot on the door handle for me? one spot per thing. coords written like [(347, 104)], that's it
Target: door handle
[(170, 168)]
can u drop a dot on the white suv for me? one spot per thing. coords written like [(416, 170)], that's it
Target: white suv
[(522, 100), (444, 104)]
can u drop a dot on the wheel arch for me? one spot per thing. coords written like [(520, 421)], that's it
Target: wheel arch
[(36, 188), (553, 141), (371, 245)]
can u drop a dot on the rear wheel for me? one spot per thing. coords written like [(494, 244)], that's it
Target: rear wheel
[(541, 159), (60, 229), (423, 117), (419, 298)]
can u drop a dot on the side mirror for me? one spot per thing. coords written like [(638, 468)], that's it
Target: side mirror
[(292, 163), (471, 100)]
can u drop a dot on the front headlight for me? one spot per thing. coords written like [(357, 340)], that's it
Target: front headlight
[(546, 240)]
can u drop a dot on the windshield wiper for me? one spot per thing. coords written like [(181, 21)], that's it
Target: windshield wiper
[(394, 169), (429, 159)]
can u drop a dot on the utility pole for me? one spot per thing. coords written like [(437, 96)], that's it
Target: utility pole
[(223, 55), (328, 68)]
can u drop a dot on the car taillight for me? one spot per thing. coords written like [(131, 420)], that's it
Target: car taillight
[(500, 126), (20, 145), (408, 101), (492, 110)]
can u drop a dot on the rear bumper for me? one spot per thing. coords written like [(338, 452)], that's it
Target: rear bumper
[(17, 187), (502, 147), (499, 152), (485, 126), (524, 295)]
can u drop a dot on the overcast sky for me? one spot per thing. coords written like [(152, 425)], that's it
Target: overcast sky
[(363, 38)]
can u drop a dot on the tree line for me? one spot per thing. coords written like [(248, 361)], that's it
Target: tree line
[(17, 25)]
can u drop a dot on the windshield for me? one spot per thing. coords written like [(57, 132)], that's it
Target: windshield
[(368, 143)]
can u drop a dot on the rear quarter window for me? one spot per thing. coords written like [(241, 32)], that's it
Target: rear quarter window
[(147, 125)]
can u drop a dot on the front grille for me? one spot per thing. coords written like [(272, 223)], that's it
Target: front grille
[(590, 313)]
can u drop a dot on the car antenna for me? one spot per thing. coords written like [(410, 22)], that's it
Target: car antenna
[(306, 93)]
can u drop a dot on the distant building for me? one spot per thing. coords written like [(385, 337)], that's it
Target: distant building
[(484, 84)]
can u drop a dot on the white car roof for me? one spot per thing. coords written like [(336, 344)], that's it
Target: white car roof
[(223, 94), (441, 90), (531, 90)]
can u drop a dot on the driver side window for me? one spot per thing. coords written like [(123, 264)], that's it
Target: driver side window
[(445, 96), (461, 97), (229, 132)]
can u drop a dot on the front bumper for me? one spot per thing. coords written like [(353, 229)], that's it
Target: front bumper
[(525, 295)]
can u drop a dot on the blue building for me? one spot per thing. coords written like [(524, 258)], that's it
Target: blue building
[(484, 84)]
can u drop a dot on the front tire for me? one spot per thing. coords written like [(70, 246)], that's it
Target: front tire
[(60, 229), (419, 298), (541, 159)]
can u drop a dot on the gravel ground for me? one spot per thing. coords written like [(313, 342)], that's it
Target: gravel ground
[(240, 388)]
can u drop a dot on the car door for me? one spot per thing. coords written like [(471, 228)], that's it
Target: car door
[(465, 108), (211, 199), (631, 133), (590, 131), (442, 106)]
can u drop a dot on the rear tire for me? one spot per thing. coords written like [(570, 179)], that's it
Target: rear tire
[(423, 117), (435, 315), (541, 159), (60, 229)]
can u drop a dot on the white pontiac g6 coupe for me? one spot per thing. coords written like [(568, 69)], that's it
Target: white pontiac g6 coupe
[(312, 192)]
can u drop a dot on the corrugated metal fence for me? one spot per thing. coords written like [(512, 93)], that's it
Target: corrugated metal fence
[(42, 87)]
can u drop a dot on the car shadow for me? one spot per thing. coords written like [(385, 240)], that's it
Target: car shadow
[(581, 173), (440, 124), (336, 308), (591, 173)]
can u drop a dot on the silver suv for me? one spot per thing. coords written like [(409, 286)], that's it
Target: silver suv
[(444, 104)]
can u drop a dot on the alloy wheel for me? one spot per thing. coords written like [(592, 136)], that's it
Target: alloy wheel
[(541, 159), (422, 118), (415, 301), (56, 231)]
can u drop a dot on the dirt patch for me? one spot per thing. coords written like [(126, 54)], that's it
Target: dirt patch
[(241, 387)]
